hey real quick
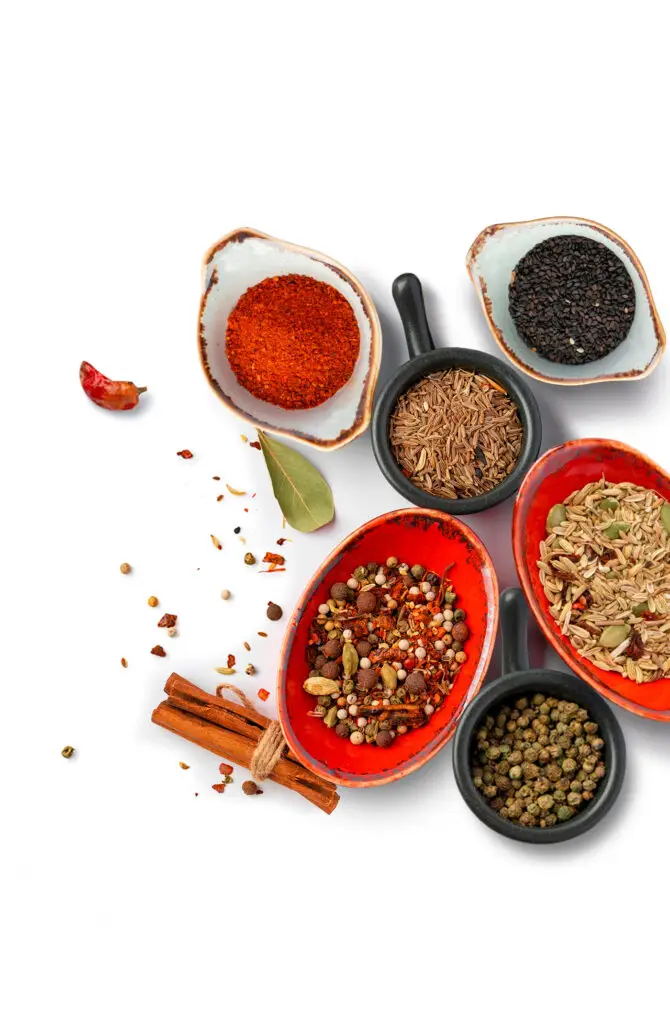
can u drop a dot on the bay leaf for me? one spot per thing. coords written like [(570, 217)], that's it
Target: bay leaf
[(303, 495)]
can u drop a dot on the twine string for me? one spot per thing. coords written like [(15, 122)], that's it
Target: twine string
[(271, 744)]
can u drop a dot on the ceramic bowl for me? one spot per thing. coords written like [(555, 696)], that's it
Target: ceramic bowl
[(244, 258), (435, 540), (555, 475), (424, 359), (493, 256), (519, 680)]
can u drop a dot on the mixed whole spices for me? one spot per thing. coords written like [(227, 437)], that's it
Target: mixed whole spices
[(572, 299), (292, 341), (456, 434), (538, 762), (605, 569), (384, 650)]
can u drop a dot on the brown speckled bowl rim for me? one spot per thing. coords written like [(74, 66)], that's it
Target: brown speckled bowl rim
[(364, 410), (480, 287)]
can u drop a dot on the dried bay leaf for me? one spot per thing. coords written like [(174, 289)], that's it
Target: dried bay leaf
[(303, 495)]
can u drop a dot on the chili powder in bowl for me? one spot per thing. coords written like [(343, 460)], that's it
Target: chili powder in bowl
[(567, 300), (289, 339)]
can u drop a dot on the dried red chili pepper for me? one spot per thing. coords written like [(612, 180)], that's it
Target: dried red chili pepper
[(117, 395), (185, 453), (158, 651), (219, 787), (292, 341), (231, 660), (168, 621)]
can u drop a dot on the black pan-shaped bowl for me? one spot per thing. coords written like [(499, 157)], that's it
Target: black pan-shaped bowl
[(424, 358), (520, 679)]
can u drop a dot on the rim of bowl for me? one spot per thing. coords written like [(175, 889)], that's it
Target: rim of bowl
[(527, 681), (408, 374), (479, 285), (578, 666), (386, 776), (364, 409)]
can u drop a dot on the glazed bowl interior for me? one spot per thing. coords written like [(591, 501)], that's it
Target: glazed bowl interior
[(552, 684), (554, 476), (415, 535), (239, 261), (494, 255)]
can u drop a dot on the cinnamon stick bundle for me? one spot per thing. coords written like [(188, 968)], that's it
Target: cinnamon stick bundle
[(233, 731)]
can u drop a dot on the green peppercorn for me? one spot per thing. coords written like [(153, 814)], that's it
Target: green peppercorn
[(417, 571), (564, 813)]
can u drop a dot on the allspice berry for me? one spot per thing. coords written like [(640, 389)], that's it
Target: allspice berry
[(273, 612), (125, 568), (331, 670), (366, 602), (363, 648), (332, 649), (366, 678), (460, 632), (340, 592), (250, 788), (384, 738), (415, 683)]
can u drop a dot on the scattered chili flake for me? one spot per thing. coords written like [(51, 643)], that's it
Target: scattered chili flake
[(226, 769), (255, 444), (182, 764), (261, 633), (246, 509), (158, 651), (233, 491), (274, 559), (185, 454), (168, 620), (282, 540), (247, 646), (263, 694), (230, 661), (219, 787), (124, 662), (220, 497), (216, 542)]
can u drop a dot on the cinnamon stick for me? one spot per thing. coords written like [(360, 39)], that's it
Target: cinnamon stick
[(232, 731)]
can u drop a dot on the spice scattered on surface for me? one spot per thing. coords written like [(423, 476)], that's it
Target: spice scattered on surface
[(182, 764), (249, 559), (572, 299), (605, 569), (172, 631), (125, 568), (274, 559), (152, 602), (261, 633), (273, 611), (225, 671), (225, 595), (237, 493), (303, 494), (292, 341), (456, 435), (244, 438), (167, 620), (255, 444), (216, 542), (115, 395), (185, 454), (247, 646), (250, 670), (237, 529), (158, 651), (220, 497), (263, 694), (67, 751), (124, 663), (230, 660), (219, 787), (216, 478), (225, 769), (250, 788), (384, 651), (282, 540), (539, 762)]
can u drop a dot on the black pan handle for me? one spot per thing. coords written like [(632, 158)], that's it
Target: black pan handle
[(408, 295), (514, 631)]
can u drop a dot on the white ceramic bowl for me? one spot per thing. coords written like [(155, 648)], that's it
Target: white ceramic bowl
[(493, 256), (244, 258)]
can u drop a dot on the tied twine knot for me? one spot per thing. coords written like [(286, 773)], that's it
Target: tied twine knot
[(271, 744)]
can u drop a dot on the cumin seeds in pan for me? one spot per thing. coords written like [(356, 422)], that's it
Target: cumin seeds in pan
[(456, 434)]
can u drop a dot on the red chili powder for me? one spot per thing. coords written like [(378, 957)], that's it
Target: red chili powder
[(292, 341)]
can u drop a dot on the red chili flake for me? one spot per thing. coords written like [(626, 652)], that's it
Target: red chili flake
[(246, 509), (263, 694), (231, 660), (158, 651), (409, 664), (168, 621), (219, 787), (275, 568), (185, 454), (274, 559), (283, 540), (225, 769), (255, 444), (260, 633)]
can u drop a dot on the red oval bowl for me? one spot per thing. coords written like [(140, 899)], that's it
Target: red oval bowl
[(433, 539), (554, 476)]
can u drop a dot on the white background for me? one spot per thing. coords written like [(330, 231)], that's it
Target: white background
[(386, 135)]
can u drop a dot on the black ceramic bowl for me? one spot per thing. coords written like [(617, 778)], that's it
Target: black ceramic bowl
[(520, 679), (424, 358)]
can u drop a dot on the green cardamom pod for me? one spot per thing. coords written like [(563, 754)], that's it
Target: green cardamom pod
[(665, 516), (612, 636), (608, 504), (389, 676), (349, 660), (317, 686), (330, 717), (557, 515)]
